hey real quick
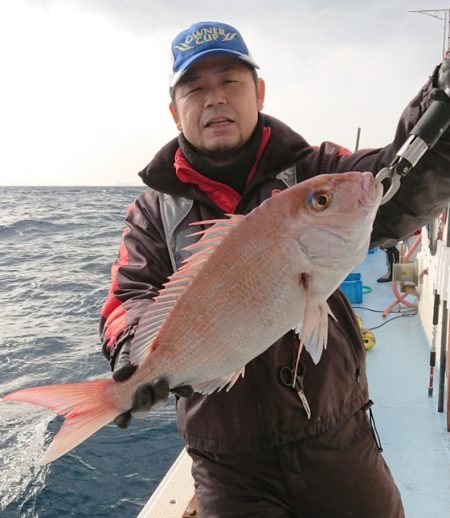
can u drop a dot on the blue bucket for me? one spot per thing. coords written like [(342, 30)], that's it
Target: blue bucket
[(352, 287)]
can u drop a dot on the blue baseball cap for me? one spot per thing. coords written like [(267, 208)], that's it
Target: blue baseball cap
[(204, 39)]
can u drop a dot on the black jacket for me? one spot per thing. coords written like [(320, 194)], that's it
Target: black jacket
[(259, 411)]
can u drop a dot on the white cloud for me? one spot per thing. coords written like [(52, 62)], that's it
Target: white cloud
[(81, 104), (85, 96)]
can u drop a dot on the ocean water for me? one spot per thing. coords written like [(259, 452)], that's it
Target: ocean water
[(56, 250)]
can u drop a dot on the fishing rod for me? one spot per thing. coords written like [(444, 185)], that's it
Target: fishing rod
[(448, 388), (436, 304), (444, 323)]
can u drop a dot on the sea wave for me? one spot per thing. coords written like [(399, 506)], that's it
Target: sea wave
[(56, 250)]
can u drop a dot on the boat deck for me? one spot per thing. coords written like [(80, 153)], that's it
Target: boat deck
[(413, 434)]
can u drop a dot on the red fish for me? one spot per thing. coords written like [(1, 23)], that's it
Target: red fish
[(250, 279)]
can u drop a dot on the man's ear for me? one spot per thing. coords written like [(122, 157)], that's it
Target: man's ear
[(260, 93), (173, 111)]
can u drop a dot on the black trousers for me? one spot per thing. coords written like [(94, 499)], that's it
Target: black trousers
[(336, 474)]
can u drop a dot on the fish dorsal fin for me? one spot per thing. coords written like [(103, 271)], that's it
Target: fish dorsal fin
[(160, 307), (215, 233), (219, 383)]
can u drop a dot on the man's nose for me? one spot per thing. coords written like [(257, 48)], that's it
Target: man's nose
[(214, 95)]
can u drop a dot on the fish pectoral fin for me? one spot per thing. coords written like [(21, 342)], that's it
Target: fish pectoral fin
[(315, 330), (218, 384), (298, 329)]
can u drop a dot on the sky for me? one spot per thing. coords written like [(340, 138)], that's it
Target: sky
[(84, 83)]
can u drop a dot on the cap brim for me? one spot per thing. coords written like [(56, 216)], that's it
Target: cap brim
[(209, 53)]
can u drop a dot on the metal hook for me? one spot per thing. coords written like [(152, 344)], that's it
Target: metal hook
[(390, 174)]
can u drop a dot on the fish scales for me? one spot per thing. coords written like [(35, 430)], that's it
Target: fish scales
[(217, 321)]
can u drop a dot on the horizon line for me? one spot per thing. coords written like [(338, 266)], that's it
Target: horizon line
[(75, 185)]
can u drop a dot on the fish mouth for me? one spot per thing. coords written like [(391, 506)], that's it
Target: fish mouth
[(371, 191)]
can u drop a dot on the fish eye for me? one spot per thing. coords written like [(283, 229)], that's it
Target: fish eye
[(320, 200)]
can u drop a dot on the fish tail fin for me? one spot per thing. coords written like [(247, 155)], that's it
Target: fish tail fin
[(87, 407)]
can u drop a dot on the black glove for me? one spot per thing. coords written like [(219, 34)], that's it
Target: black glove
[(443, 80), (148, 394)]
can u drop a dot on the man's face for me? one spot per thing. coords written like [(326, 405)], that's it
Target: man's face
[(217, 104)]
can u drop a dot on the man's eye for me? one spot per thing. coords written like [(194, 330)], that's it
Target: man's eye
[(191, 91), (194, 90)]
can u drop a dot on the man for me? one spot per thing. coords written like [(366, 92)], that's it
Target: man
[(255, 451)]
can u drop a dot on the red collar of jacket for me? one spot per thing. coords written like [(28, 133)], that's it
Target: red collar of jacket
[(221, 194), (285, 148)]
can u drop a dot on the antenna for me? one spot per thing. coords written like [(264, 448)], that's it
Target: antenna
[(444, 15), (358, 135)]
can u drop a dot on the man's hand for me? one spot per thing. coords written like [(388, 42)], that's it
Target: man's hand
[(148, 394), (123, 368), (444, 74)]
